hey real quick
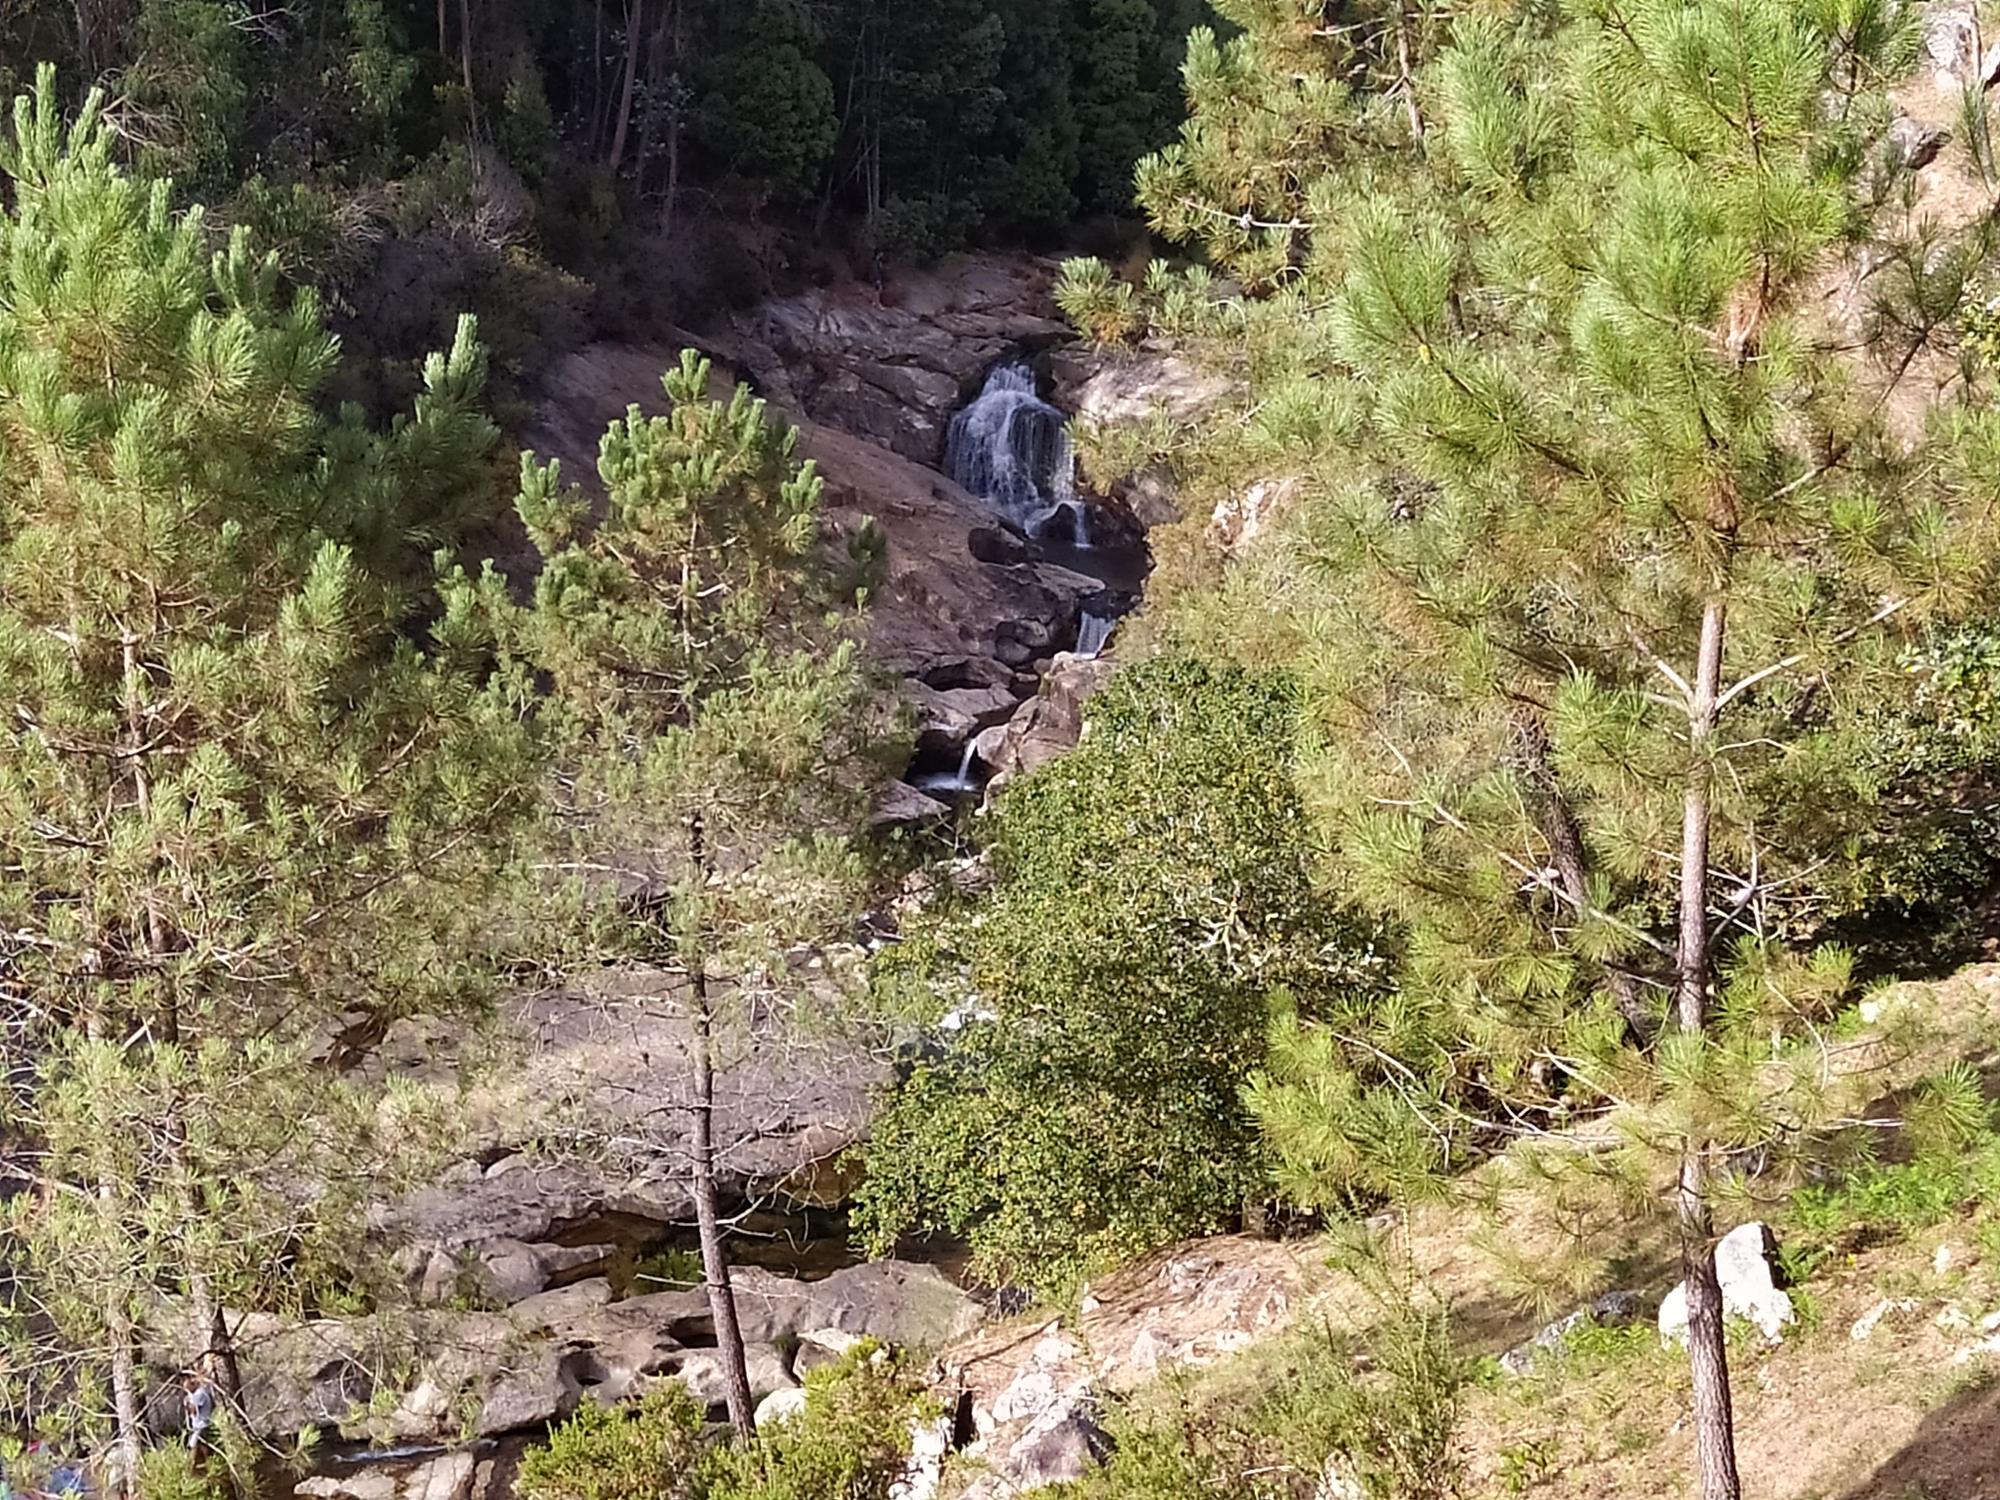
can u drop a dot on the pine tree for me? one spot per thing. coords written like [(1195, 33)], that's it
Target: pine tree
[(714, 744), (241, 804), (1604, 565)]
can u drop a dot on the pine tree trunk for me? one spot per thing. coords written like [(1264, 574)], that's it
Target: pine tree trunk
[(1406, 64), (127, 1431), (124, 1395), (465, 65), (708, 1223), (1566, 853), (444, 32), (714, 1260), (1708, 1355), (634, 28)]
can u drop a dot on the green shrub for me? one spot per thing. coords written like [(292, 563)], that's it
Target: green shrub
[(651, 1451), (1153, 891), (1956, 1161), (850, 1442), (1382, 1415)]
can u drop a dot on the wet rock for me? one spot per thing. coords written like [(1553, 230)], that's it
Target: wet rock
[(948, 719), (1745, 1265), (933, 600), (969, 672), (1048, 725), (1151, 495), (996, 544), (890, 363)]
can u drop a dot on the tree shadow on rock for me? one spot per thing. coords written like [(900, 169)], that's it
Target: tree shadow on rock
[(1955, 1454)]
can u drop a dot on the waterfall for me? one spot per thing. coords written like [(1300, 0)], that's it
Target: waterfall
[(1012, 449), (952, 784), (1093, 633)]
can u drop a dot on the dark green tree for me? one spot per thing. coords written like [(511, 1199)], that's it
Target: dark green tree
[(1030, 177), (768, 111)]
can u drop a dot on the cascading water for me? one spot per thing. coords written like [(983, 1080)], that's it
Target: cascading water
[(1012, 449), (949, 784), (1093, 634)]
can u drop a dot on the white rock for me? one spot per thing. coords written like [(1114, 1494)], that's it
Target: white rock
[(1749, 1290), (1950, 32), (1033, 1391), (1941, 1260), (923, 1470), (446, 1477), (1953, 1320), (1057, 1349), (1865, 1325), (781, 1406), (1990, 1323)]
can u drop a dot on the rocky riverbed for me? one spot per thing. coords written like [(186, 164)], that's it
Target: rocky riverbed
[(522, 1257)]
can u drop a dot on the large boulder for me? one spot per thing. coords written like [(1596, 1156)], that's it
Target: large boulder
[(446, 1373), (899, 1303), (1123, 388), (615, 1059), (701, 1371), (447, 1476), (1745, 1265), (1047, 726), (891, 363)]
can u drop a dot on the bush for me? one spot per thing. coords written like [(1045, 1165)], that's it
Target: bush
[(1152, 893), (1380, 1420), (849, 1443), (652, 1451)]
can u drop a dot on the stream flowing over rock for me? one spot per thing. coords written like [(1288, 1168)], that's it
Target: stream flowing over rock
[(923, 405)]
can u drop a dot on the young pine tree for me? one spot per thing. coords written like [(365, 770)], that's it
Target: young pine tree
[(239, 802), (713, 742), (1604, 561)]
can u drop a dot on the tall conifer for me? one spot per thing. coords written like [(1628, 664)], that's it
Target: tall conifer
[(1603, 557), (233, 794)]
